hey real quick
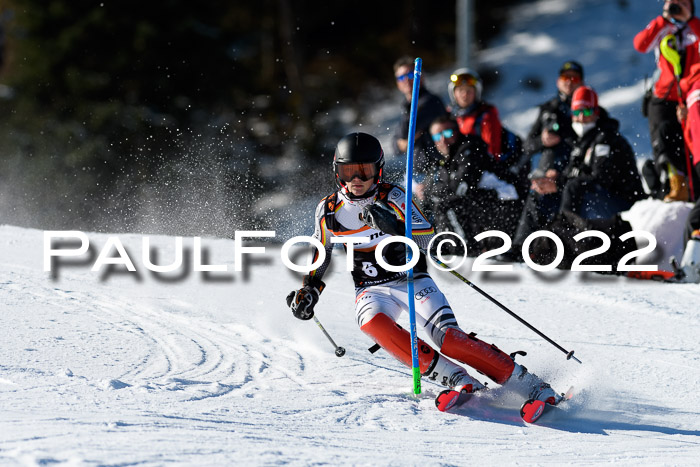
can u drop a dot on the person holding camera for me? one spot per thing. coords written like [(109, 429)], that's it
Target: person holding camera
[(599, 180), (551, 134), (552, 137), (667, 174)]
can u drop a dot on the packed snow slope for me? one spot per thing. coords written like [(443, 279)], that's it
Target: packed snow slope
[(210, 368)]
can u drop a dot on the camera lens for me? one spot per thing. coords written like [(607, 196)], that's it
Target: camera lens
[(674, 9)]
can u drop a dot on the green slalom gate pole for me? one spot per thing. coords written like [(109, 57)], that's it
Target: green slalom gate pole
[(409, 228)]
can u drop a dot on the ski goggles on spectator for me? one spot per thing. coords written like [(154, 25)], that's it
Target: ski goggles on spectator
[(574, 78), (364, 171), (465, 78), (449, 133), (585, 112), (405, 76)]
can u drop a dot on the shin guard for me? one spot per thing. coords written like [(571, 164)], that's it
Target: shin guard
[(485, 358), (397, 341)]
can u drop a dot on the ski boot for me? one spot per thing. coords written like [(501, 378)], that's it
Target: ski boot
[(679, 188), (531, 386), (461, 384), (539, 394)]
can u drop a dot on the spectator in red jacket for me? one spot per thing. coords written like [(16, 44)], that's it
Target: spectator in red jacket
[(474, 116), (690, 86), (666, 134)]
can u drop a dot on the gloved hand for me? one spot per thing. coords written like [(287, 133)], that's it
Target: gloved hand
[(302, 301), (381, 217)]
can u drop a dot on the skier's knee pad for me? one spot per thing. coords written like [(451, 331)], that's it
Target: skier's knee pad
[(485, 358), (397, 341)]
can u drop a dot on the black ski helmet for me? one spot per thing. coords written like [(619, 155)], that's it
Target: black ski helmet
[(358, 148)]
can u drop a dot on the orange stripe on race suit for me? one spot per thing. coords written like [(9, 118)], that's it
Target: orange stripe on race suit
[(323, 230), (344, 233), (323, 242), (360, 296), (399, 212)]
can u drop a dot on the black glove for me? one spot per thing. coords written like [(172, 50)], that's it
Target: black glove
[(381, 217), (302, 301)]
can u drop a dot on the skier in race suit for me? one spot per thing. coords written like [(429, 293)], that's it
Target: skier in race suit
[(363, 206)]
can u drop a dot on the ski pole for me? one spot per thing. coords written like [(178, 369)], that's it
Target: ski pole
[(339, 351), (668, 47), (569, 355)]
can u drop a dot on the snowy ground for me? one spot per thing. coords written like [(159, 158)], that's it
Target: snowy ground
[(117, 368)]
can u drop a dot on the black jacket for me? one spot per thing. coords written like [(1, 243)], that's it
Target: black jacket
[(555, 115), (458, 174), (453, 197), (604, 156), (430, 107)]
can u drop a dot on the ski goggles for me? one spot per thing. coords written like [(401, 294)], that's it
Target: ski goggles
[(575, 79), (447, 134), (404, 77), (585, 112), (364, 171), (465, 78)]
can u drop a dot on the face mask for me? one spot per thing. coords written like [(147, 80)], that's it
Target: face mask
[(582, 128)]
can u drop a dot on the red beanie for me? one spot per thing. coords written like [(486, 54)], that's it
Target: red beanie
[(584, 97)]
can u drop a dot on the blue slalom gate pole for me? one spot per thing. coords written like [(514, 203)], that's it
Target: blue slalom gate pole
[(409, 228)]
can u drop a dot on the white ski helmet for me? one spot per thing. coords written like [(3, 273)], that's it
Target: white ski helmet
[(468, 76)]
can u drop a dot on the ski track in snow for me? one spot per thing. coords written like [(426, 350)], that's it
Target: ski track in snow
[(114, 370), (142, 353)]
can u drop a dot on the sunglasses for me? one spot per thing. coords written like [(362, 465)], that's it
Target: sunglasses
[(469, 80), (585, 112), (574, 79), (449, 133), (364, 171), (405, 76)]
